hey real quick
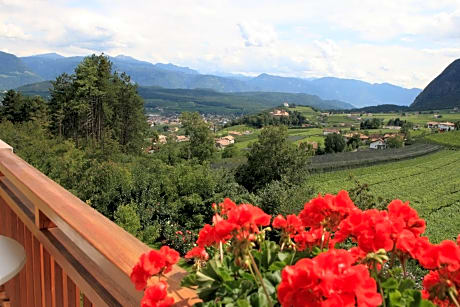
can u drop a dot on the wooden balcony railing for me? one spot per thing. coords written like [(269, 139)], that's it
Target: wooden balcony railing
[(75, 255)]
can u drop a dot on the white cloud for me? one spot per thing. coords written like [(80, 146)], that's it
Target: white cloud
[(256, 34), (402, 42)]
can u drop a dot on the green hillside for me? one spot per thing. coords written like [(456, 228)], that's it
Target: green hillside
[(208, 101)]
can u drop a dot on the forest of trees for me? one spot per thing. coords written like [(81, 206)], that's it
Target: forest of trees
[(91, 135)]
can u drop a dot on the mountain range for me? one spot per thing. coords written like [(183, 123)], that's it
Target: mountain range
[(17, 71), (206, 100)]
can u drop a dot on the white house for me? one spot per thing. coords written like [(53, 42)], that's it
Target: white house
[(432, 124), (447, 126), (378, 144), (286, 104)]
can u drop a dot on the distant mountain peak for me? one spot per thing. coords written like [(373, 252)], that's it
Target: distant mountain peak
[(51, 55), (125, 57), (443, 92)]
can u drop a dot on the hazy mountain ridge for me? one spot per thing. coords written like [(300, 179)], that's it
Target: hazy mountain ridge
[(209, 101), (443, 92), (13, 72), (358, 93)]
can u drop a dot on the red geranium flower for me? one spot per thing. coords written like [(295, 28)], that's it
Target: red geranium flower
[(152, 263), (330, 279), (291, 224), (371, 229), (327, 211), (405, 217), (139, 277), (157, 296), (310, 238), (171, 257), (197, 252)]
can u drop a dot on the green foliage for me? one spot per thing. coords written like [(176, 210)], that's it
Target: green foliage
[(93, 105), (226, 284), (334, 143), (201, 145), (18, 108), (127, 218), (230, 151), (371, 123), (271, 158), (395, 142)]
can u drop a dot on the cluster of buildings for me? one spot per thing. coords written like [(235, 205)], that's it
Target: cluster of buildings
[(278, 112), (446, 126)]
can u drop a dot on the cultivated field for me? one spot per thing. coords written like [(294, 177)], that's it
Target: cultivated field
[(451, 138), (431, 183)]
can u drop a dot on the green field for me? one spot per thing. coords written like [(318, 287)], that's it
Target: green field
[(418, 119), (431, 183), (451, 138)]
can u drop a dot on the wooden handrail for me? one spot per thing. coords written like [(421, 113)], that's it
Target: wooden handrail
[(99, 246)]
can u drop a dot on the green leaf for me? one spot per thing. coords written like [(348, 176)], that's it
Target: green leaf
[(390, 283), (395, 298), (242, 303), (189, 280), (277, 266)]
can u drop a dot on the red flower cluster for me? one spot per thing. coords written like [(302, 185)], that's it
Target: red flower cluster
[(153, 263), (291, 225), (327, 211), (198, 253), (309, 239), (157, 296), (398, 227), (329, 279), (443, 283), (241, 222)]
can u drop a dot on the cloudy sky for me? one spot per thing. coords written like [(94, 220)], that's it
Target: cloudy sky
[(403, 42)]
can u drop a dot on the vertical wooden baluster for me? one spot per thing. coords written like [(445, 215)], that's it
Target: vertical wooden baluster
[(36, 266), (65, 294), (87, 302), (47, 278), (73, 293), (9, 286), (16, 293), (2, 217), (22, 273), (47, 283), (29, 266), (58, 286)]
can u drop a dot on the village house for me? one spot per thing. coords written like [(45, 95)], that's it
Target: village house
[(377, 144), (230, 138), (279, 113), (330, 131), (222, 142), (363, 137), (286, 104), (432, 125), (447, 126)]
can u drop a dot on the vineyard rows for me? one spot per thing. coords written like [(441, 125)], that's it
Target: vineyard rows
[(431, 183)]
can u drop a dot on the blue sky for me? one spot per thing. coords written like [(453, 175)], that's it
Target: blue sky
[(403, 42)]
